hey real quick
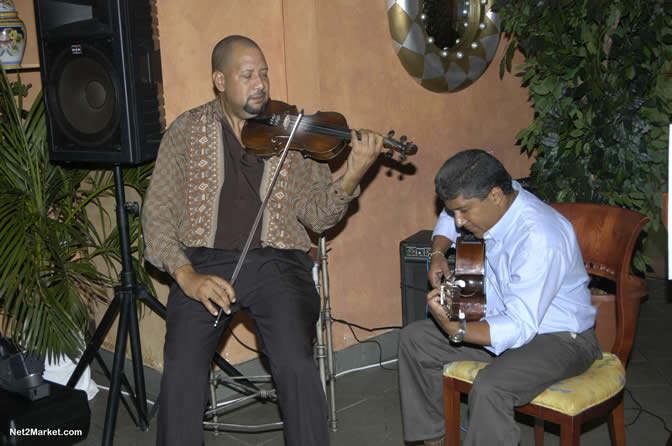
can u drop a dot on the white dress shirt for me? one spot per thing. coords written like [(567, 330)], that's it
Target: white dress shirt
[(535, 279)]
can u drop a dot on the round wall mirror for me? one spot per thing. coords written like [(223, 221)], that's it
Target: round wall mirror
[(446, 45)]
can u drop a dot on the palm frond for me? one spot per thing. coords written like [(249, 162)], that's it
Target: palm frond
[(47, 286)]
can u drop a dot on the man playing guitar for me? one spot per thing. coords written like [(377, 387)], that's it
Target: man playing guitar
[(538, 322)]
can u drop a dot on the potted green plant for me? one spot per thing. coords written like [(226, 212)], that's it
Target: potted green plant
[(598, 75), (56, 260)]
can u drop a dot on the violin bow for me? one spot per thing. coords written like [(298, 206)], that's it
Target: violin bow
[(246, 248)]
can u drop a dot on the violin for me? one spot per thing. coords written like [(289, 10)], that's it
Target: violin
[(321, 136), (465, 285)]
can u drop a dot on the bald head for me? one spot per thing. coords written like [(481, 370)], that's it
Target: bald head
[(240, 77), (221, 55)]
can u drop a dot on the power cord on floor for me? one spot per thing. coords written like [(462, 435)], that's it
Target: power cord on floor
[(366, 367), (380, 348), (380, 363), (640, 410)]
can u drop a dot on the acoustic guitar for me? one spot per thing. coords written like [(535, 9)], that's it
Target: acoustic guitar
[(465, 286)]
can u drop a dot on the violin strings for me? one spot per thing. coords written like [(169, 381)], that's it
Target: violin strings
[(330, 129), (327, 129), (323, 128)]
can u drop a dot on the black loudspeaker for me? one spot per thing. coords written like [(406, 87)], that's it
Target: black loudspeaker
[(413, 253), (101, 73)]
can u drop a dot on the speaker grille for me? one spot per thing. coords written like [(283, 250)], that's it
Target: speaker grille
[(84, 97), (101, 67)]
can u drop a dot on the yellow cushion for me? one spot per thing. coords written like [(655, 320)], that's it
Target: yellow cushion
[(604, 379)]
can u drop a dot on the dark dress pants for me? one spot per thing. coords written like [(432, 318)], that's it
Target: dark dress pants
[(275, 287), (512, 379)]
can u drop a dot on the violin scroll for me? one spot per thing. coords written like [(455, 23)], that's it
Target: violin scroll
[(403, 146)]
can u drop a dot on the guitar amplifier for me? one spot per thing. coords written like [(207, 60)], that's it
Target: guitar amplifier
[(413, 253)]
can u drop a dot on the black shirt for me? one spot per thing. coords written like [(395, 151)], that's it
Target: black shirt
[(239, 199)]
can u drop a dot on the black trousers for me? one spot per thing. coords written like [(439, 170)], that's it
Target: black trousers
[(275, 287)]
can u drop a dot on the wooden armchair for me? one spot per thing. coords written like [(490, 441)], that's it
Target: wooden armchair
[(607, 237)]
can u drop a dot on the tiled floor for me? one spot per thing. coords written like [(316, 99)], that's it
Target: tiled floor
[(368, 401)]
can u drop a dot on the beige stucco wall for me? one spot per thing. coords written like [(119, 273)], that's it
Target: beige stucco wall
[(338, 55)]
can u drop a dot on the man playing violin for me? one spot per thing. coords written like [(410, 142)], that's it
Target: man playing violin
[(538, 323), (203, 198)]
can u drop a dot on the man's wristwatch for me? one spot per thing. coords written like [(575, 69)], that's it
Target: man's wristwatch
[(459, 336)]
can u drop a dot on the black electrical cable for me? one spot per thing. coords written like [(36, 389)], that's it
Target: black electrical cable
[(411, 287), (344, 322), (640, 410), (392, 327), (242, 343), (380, 348)]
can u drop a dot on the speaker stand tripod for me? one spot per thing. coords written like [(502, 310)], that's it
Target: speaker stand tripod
[(124, 304)]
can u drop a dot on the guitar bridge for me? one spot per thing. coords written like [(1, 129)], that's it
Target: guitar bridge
[(470, 306), (449, 286)]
